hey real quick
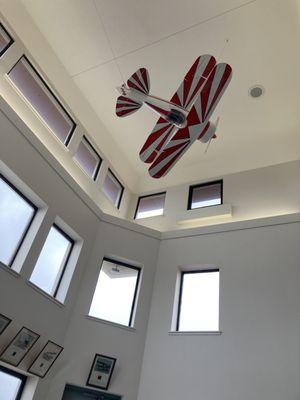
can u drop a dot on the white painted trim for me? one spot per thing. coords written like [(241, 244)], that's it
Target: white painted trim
[(200, 214), (114, 324), (195, 333), (8, 269), (232, 226), (43, 293)]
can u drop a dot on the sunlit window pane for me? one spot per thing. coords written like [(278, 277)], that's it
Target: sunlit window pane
[(36, 92), (5, 40), (205, 195), (150, 206), (88, 158), (52, 261), (199, 301), (10, 385), (16, 215), (113, 188), (115, 293)]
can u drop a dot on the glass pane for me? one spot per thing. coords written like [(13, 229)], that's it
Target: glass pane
[(41, 99), (15, 216), (204, 196), (151, 206), (112, 188), (114, 294), (199, 309), (51, 262), (87, 158), (5, 40), (9, 386)]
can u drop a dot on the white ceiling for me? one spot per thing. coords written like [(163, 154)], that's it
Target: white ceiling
[(166, 36)]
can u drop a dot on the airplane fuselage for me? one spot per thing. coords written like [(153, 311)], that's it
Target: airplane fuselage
[(170, 112)]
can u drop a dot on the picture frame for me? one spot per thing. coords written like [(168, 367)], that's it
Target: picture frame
[(20, 345), (45, 359), (101, 371), (4, 322)]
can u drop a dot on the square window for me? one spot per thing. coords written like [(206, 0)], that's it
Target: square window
[(113, 188), (88, 158), (5, 40), (198, 306), (150, 206), (52, 262), (205, 195), (116, 292), (16, 216), (35, 90), (11, 384)]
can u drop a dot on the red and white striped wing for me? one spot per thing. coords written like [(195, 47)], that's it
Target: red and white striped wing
[(161, 133), (175, 149), (184, 97), (140, 81), (126, 106), (193, 81), (213, 90)]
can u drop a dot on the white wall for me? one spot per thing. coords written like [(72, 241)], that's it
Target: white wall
[(27, 306), (258, 193), (257, 355)]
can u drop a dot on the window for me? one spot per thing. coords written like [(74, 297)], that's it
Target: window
[(52, 262), (16, 216), (5, 40), (113, 188), (116, 292), (205, 195), (150, 206), (35, 90), (198, 307), (88, 158), (11, 384)]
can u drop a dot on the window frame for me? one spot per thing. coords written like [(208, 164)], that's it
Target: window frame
[(63, 270), (143, 197), (192, 187), (51, 91), (122, 188), (11, 40), (61, 274), (35, 210), (97, 169), (135, 295), (23, 379), (182, 273)]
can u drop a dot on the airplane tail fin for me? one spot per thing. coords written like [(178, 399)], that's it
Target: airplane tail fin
[(140, 81), (126, 106)]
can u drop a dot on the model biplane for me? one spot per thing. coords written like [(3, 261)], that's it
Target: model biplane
[(182, 120)]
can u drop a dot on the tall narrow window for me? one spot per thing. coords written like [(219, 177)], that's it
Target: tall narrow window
[(52, 262), (205, 195), (5, 40), (11, 384), (198, 307), (113, 188), (16, 216), (150, 206), (116, 292), (35, 90), (88, 158)]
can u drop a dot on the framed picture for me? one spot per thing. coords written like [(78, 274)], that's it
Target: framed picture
[(101, 371), (45, 359), (20, 345), (4, 322)]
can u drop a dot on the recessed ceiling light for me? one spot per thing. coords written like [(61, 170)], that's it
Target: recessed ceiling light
[(256, 91)]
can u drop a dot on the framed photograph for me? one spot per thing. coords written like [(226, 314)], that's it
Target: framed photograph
[(45, 359), (4, 322), (101, 371), (20, 345)]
